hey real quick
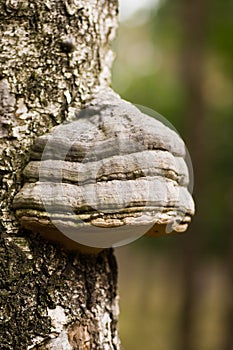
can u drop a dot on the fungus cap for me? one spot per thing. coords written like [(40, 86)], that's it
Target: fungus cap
[(108, 177)]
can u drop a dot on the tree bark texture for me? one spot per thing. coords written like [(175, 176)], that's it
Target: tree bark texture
[(54, 55)]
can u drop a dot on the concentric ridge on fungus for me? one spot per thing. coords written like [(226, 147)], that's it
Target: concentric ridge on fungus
[(113, 166)]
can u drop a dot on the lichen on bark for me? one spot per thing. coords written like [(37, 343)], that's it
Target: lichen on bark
[(54, 55)]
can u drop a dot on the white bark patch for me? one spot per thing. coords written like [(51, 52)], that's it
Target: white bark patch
[(105, 326), (61, 342), (21, 108), (67, 96), (58, 319)]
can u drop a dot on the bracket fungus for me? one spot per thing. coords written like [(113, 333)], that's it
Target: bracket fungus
[(108, 177)]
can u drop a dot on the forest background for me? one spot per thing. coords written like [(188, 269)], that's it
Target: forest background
[(175, 57)]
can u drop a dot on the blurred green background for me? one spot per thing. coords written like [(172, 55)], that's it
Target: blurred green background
[(175, 57)]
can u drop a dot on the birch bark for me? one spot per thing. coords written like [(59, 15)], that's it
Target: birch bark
[(53, 55)]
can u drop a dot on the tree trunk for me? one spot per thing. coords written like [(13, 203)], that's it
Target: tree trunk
[(193, 17), (54, 55)]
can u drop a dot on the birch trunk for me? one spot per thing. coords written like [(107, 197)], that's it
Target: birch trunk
[(53, 55)]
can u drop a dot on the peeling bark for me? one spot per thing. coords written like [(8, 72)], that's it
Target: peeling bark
[(54, 55)]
